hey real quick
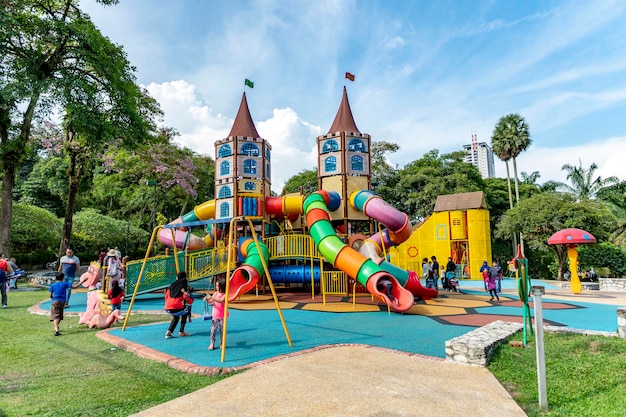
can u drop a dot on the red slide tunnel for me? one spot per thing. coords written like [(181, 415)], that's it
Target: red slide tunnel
[(244, 278)]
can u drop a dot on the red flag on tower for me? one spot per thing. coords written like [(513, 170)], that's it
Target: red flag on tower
[(350, 76)]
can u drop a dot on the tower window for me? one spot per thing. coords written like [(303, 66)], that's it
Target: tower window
[(225, 192), (249, 166), (249, 186), (356, 145), (225, 168), (330, 164), (330, 146), (224, 210), (268, 154), (225, 150), (250, 149), (357, 163)]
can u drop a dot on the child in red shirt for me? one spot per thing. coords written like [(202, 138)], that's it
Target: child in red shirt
[(116, 295)]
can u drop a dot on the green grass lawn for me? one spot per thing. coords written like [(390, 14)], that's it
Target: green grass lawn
[(77, 374), (585, 375)]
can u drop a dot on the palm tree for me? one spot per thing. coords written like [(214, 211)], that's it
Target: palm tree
[(583, 185), (531, 179), (510, 138)]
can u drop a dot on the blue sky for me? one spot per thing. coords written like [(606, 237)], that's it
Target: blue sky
[(428, 73)]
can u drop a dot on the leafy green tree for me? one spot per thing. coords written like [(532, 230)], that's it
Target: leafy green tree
[(50, 49), (304, 181), (414, 188), (603, 255), (531, 179), (94, 232), (183, 179), (46, 185), (35, 234), (510, 138), (381, 170), (543, 214), (584, 184)]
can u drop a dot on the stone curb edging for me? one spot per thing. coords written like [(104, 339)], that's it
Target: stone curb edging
[(603, 284), (476, 347)]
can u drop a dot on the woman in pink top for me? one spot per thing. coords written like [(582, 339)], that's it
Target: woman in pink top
[(218, 310)]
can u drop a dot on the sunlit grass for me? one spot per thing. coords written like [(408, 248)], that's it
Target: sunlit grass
[(585, 375), (77, 374)]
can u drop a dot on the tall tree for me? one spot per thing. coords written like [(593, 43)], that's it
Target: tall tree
[(584, 184), (45, 45), (510, 138), (414, 188), (543, 214), (304, 181), (382, 170)]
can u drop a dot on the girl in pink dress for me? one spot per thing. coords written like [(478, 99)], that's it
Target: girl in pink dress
[(217, 299)]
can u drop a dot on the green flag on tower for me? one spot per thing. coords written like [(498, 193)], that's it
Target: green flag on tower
[(249, 83)]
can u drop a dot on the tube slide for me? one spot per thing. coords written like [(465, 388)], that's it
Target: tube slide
[(398, 229), (344, 258), (294, 274), (182, 238), (244, 278)]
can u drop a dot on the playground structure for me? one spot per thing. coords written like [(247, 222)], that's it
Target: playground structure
[(458, 228), (318, 240)]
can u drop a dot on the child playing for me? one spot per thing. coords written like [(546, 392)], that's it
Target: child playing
[(218, 310), (178, 300), (116, 295), (58, 292), (490, 285)]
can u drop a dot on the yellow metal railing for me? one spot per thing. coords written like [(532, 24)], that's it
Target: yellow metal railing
[(335, 282), (291, 246)]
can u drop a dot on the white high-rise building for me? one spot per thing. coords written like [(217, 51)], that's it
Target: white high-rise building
[(481, 156)]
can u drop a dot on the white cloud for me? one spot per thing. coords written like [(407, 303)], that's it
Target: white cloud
[(292, 139), (198, 124)]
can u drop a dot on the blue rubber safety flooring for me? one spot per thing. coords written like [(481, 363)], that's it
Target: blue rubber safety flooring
[(256, 335)]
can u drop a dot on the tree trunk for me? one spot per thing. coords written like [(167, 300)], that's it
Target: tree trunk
[(508, 181), (521, 236), (6, 215), (12, 155), (516, 180), (75, 172)]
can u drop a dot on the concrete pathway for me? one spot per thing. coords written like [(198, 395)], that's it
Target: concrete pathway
[(350, 381)]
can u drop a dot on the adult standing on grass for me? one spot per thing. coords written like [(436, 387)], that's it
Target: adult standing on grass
[(5, 269), (69, 266), (58, 292), (114, 268)]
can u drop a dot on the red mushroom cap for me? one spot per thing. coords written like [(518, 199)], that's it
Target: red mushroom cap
[(571, 236)]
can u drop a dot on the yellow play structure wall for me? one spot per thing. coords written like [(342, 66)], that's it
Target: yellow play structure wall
[(479, 233), (433, 238)]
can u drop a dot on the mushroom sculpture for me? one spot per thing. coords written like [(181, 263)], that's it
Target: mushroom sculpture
[(572, 238)]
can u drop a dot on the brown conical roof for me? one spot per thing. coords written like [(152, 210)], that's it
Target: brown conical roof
[(243, 124), (344, 122)]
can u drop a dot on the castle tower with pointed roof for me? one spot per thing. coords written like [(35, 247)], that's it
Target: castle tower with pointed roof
[(344, 160), (242, 169)]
